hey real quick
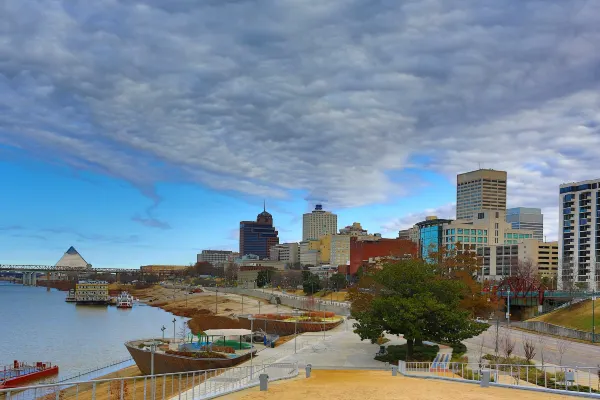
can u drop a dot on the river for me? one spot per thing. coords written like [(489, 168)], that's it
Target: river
[(38, 325)]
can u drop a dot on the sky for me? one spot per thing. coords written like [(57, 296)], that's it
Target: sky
[(141, 132)]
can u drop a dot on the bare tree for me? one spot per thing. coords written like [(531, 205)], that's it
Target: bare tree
[(562, 346), (497, 344), (231, 272), (480, 351), (526, 269), (528, 348), (183, 332), (542, 347), (508, 346), (567, 274)]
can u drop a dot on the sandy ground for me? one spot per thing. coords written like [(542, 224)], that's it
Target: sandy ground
[(379, 385), (206, 310)]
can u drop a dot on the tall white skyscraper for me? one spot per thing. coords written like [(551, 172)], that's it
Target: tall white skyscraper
[(318, 223), (527, 218), (579, 235)]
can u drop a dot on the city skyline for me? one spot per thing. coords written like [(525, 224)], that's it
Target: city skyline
[(144, 146)]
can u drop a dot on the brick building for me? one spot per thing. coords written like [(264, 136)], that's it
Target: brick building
[(363, 250)]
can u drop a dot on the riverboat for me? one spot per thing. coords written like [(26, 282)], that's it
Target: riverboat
[(125, 300), (92, 293), (71, 296), (20, 373)]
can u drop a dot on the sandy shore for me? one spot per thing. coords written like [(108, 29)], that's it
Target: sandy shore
[(379, 385)]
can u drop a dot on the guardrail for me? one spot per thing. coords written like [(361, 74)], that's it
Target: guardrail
[(205, 384), (100, 370), (582, 381)]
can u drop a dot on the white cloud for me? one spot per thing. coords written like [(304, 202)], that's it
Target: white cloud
[(327, 97), (447, 211)]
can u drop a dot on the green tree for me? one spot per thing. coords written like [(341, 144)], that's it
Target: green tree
[(337, 281), (409, 298), (311, 284), (263, 278)]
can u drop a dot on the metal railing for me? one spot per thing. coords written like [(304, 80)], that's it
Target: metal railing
[(549, 378), (205, 384)]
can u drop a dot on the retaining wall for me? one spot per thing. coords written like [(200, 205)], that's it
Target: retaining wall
[(544, 327)]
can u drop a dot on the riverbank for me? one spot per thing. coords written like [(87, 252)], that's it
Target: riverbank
[(206, 310)]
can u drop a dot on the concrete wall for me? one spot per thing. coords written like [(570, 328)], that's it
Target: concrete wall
[(543, 327), (294, 302)]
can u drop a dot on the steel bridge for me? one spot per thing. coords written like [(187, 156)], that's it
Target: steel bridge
[(61, 268)]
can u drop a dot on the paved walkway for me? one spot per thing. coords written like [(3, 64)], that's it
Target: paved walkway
[(339, 348)]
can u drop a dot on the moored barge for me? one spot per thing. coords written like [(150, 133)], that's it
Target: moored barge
[(20, 373)]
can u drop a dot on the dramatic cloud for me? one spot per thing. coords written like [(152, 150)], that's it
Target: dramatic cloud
[(393, 226), (329, 97)]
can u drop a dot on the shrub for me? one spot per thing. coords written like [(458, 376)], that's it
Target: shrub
[(398, 352)]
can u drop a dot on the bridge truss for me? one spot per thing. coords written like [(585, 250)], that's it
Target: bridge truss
[(60, 268)]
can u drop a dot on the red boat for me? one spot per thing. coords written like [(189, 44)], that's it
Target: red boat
[(20, 373)]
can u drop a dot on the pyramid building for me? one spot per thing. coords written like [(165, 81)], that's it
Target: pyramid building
[(72, 259)]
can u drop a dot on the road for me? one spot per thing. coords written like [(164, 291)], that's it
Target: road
[(575, 354)]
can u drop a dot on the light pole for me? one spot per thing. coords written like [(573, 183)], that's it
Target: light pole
[(295, 333), (152, 351), (216, 299), (259, 306), (323, 318), (251, 318), (508, 309), (163, 331), (174, 320), (242, 304), (593, 315)]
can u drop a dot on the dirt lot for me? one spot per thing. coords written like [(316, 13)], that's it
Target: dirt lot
[(206, 310), (379, 385)]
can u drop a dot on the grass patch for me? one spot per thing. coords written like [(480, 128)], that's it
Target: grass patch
[(577, 316), (398, 352), (458, 351)]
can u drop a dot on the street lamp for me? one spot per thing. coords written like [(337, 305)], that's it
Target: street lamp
[(242, 304), (216, 299), (295, 332), (163, 331), (174, 320), (593, 315), (259, 306), (251, 318)]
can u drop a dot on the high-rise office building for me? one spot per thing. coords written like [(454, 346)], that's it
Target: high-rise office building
[(289, 252), (318, 223), (257, 237), (215, 257), (483, 189), (579, 234), (431, 232), (527, 218)]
